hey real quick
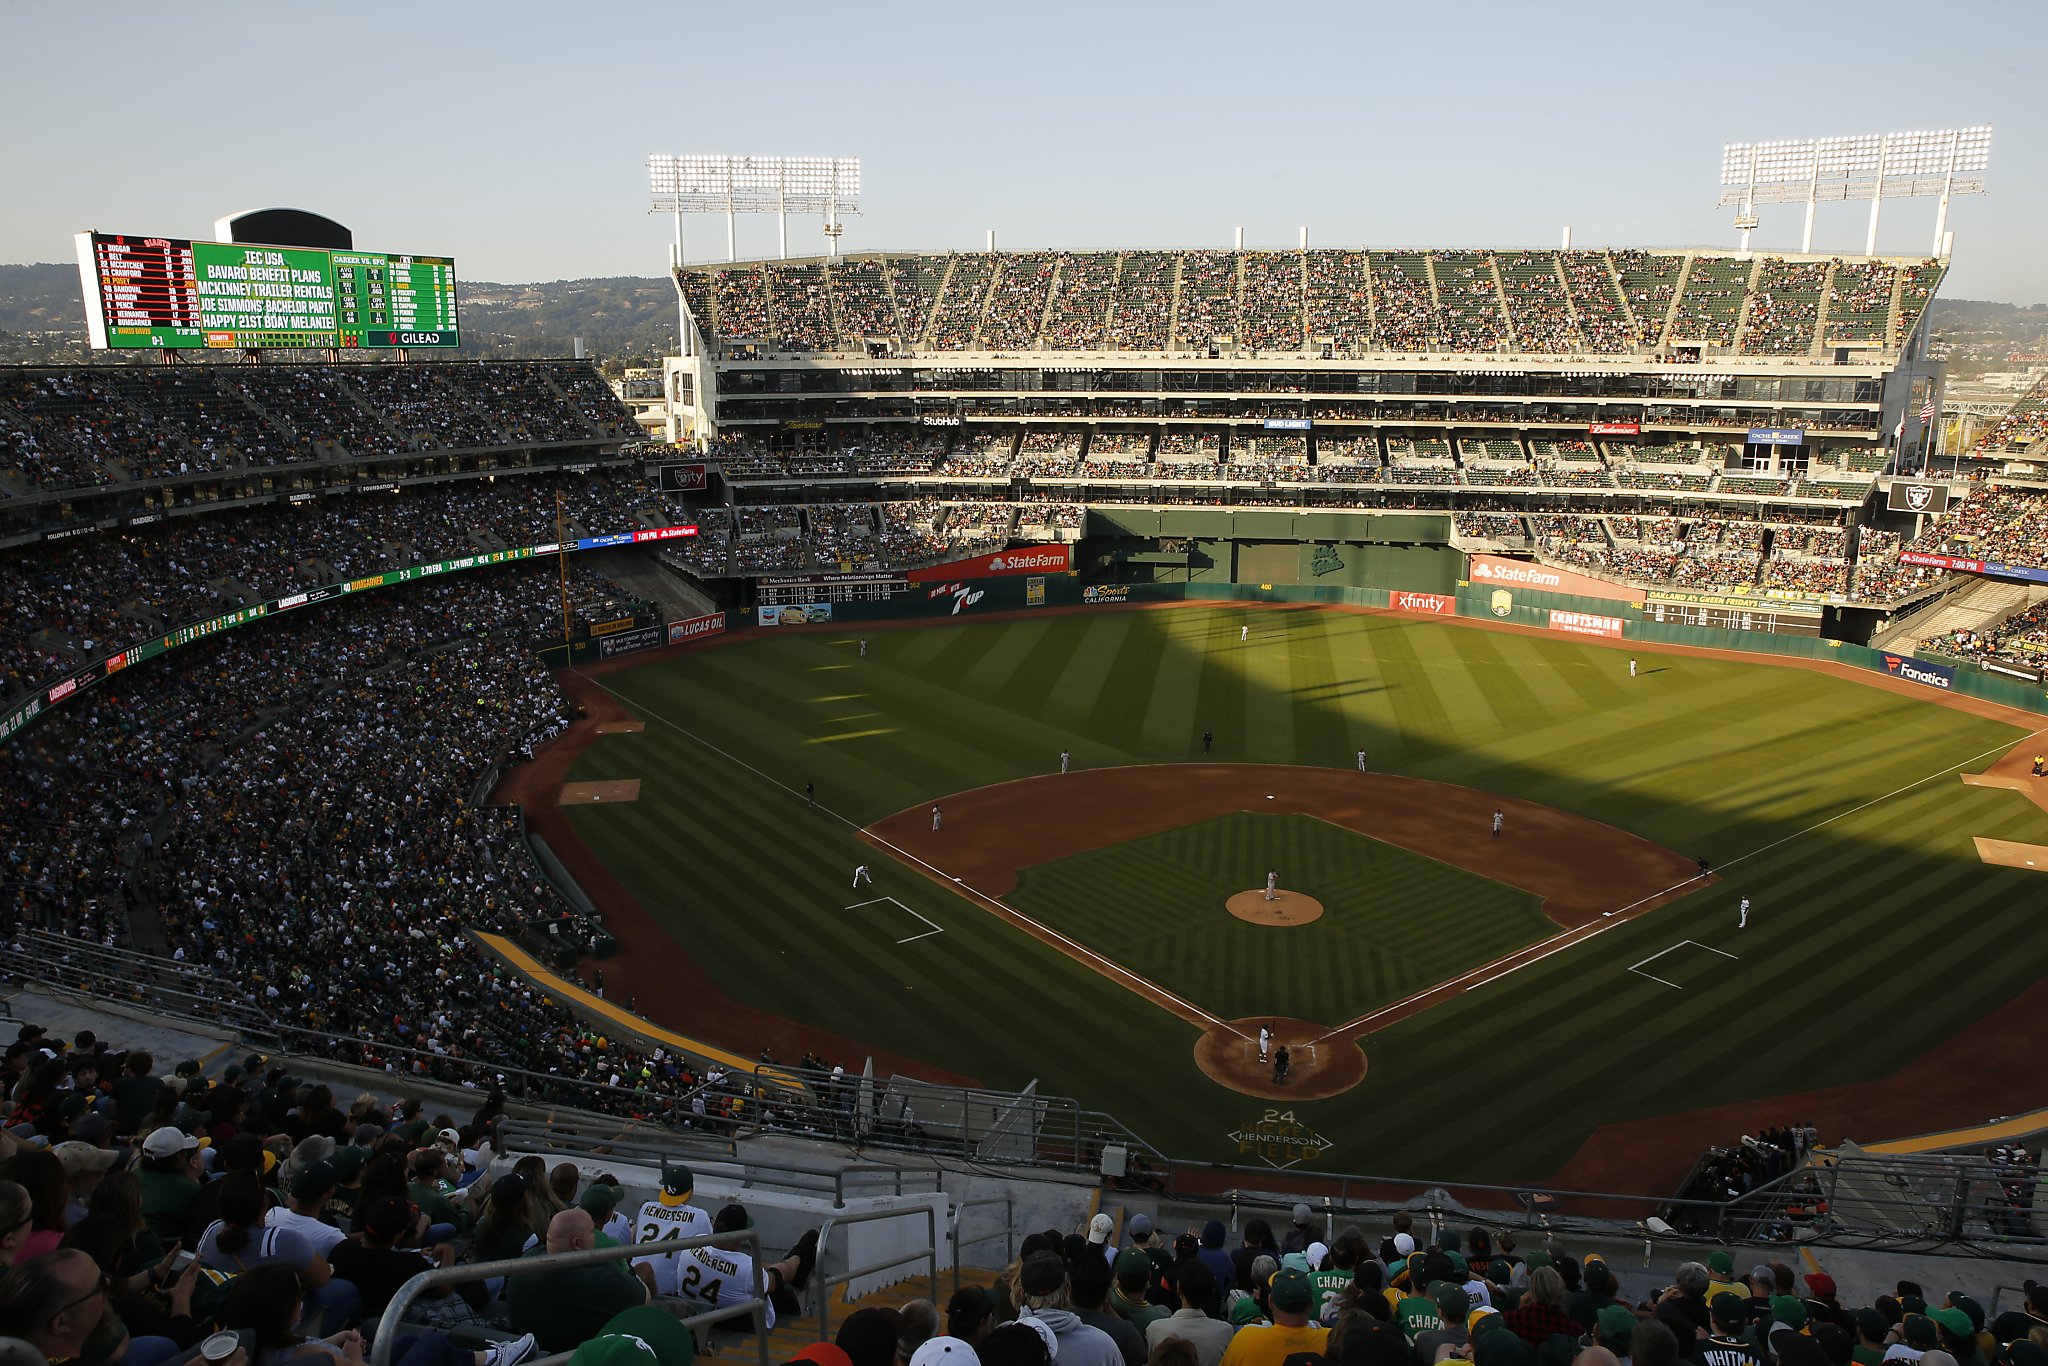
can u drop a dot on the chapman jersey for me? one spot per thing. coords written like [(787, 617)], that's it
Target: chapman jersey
[(657, 1222), (720, 1278), (1330, 1287)]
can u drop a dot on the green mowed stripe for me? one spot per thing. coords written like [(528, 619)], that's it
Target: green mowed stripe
[(1874, 936), (1393, 922)]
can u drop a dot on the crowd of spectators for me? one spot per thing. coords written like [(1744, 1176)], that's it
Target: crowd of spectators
[(957, 316), (1716, 288), (247, 1218), (73, 600), (2021, 638), (1272, 310), (1859, 303), (1538, 303), (2021, 425), (801, 307), (1784, 307), (99, 425)]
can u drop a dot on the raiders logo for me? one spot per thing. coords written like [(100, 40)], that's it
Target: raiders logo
[(1919, 497)]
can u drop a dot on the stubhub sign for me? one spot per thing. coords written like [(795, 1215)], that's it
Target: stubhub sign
[(1920, 671)]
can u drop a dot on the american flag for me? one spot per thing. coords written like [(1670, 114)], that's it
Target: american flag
[(1927, 409)]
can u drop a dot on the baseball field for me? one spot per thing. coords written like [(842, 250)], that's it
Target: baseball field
[(1460, 1005)]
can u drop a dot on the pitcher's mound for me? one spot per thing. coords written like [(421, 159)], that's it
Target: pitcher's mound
[(1229, 1056), (1286, 908)]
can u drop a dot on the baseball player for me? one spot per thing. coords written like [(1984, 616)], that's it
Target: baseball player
[(860, 875), (1361, 761), (1498, 819), (1631, 667), (1208, 739), (1066, 757), (1244, 632), (1265, 1043), (1272, 884), (935, 817), (723, 1275), (863, 649), (1743, 922), (670, 1215), (810, 795)]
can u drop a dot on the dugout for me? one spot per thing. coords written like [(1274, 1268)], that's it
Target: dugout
[(1226, 546)]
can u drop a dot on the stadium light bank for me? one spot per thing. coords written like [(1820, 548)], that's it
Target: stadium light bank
[(1872, 166), (734, 185)]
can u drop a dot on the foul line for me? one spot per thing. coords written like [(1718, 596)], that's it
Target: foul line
[(1108, 967), (1514, 962)]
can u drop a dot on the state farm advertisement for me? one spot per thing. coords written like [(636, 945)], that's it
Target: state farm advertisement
[(1585, 623), (1429, 604), (1023, 559), (1941, 562), (1497, 571)]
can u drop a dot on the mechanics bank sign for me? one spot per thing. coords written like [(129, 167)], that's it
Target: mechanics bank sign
[(1920, 671)]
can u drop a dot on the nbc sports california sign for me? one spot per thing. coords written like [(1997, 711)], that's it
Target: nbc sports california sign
[(1023, 559)]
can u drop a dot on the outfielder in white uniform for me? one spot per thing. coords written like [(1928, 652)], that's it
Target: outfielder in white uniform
[(1066, 757), (863, 649), (1361, 761), (860, 875), (1743, 923), (670, 1215), (1272, 884), (1244, 633), (1631, 668)]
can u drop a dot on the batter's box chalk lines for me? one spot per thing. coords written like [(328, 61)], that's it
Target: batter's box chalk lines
[(1637, 968), (892, 901)]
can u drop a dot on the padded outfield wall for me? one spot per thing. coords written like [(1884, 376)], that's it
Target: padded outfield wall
[(1564, 613), (1218, 546)]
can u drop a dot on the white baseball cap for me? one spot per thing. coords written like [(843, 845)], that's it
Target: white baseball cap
[(944, 1351), (167, 1141), (1099, 1227)]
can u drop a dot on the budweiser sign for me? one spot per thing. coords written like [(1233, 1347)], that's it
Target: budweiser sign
[(1615, 428), (1023, 559), (1429, 604)]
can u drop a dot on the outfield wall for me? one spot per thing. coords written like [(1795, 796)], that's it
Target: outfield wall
[(1568, 615)]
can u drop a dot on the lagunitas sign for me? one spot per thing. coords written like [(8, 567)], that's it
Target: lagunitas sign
[(1023, 559)]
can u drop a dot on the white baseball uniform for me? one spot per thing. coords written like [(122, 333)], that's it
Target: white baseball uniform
[(721, 1278), (860, 875), (1361, 761), (1743, 923), (1244, 633), (1272, 882), (1066, 757), (656, 1222), (1497, 819), (935, 817), (1265, 1042)]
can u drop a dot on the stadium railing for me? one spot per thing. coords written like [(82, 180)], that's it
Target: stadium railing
[(755, 1307)]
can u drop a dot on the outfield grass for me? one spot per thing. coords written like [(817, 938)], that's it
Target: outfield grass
[(1393, 922), (1877, 932)]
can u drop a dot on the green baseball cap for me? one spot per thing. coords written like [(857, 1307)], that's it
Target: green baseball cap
[(641, 1336)]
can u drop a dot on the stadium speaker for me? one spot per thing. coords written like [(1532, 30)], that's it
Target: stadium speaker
[(1115, 1157), (1658, 1226)]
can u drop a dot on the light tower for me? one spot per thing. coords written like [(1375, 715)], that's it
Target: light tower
[(1873, 166)]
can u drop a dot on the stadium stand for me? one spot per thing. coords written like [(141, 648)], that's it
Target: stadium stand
[(2025, 423)]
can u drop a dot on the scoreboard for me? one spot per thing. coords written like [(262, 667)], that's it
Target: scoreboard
[(144, 293)]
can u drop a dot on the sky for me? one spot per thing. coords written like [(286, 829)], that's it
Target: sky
[(514, 136)]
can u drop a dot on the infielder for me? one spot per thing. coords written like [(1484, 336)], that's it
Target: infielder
[(1743, 922), (1066, 757), (1498, 818), (860, 875), (1272, 884), (1361, 761), (935, 817)]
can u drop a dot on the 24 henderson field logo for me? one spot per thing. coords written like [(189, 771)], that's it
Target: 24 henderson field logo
[(1917, 671)]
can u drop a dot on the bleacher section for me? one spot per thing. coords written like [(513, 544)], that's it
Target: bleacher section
[(1474, 302)]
